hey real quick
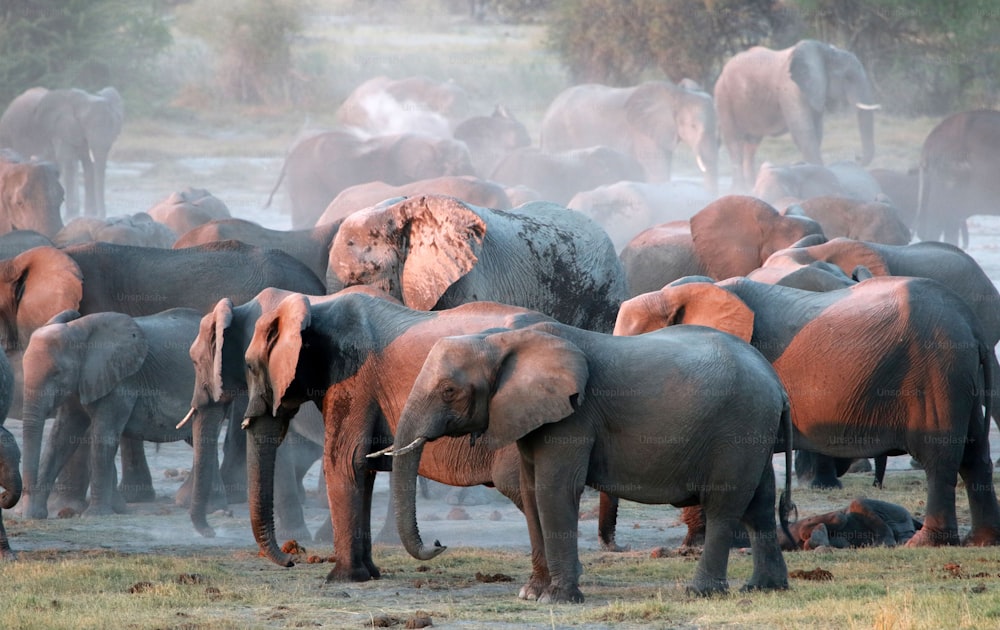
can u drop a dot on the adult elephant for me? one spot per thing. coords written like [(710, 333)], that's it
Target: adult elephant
[(10, 458), (762, 92), (415, 104), (646, 121), (841, 217), (959, 167), (916, 384), (137, 229), (903, 190), (394, 159), (490, 138), (729, 237), (557, 176), (435, 252), (782, 183), (69, 127), (583, 409), (30, 195), (17, 241), (184, 210)]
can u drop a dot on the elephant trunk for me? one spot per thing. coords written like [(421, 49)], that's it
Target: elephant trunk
[(205, 439), (11, 489), (262, 446), (38, 405), (405, 467)]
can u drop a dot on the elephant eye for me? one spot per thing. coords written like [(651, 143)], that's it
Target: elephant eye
[(350, 242), (449, 392)]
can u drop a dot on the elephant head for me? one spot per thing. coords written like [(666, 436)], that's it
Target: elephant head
[(35, 286), (735, 234), (498, 387), (490, 138), (73, 356), (30, 195), (847, 254), (686, 302), (828, 76), (10, 470), (777, 183), (414, 249), (417, 157)]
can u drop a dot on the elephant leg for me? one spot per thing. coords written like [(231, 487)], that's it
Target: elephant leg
[(557, 500), (89, 189), (325, 531), (826, 473), (103, 474), (880, 464), (747, 168), (940, 521), (6, 553), (389, 535), (806, 129), (234, 455), (346, 487), (67, 175), (710, 574), (769, 570), (69, 432), (607, 521), (977, 473), (137, 482), (290, 520), (540, 579)]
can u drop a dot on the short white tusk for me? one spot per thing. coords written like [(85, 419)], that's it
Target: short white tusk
[(384, 451), (245, 423), (867, 107), (186, 418), (417, 443), (701, 165)]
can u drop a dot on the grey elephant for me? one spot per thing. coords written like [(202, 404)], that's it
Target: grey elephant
[(959, 162), (415, 104), (762, 92), (782, 183), (871, 221), (646, 121), (137, 229), (68, 127), (30, 195), (559, 175), (123, 376), (490, 138), (184, 210), (10, 458), (620, 414), (435, 252), (394, 159), (903, 190), (13, 243)]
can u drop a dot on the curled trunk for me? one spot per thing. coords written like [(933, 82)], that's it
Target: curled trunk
[(404, 489), (265, 435)]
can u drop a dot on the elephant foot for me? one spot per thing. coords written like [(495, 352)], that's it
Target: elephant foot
[(706, 587), (778, 581), (534, 589), (325, 532), (822, 483), (928, 537), (99, 509), (236, 493), (137, 493), (356, 574), (982, 537), (613, 547), (862, 465), (561, 595)]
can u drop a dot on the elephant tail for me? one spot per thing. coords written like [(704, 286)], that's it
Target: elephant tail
[(785, 504), (988, 359), (281, 177)]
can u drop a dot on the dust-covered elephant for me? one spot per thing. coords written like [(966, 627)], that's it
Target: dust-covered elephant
[(414, 104), (30, 195), (186, 209), (490, 138), (137, 229), (841, 217), (762, 92)]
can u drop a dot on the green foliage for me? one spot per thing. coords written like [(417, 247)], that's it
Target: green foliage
[(79, 43)]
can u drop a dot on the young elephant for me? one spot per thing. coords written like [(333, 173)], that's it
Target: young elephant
[(10, 458), (864, 523), (682, 416)]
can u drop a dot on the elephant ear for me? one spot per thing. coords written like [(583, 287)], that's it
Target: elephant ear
[(45, 282), (541, 378), (444, 240), (277, 342), (729, 235), (209, 344), (697, 303), (115, 349), (807, 68), (849, 254), (650, 108)]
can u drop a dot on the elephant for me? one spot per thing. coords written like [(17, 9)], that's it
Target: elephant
[(864, 523), (626, 208), (841, 217), (184, 210), (137, 229), (781, 183), (903, 190), (478, 192), (311, 246), (490, 138), (959, 162), (762, 92), (914, 382), (557, 176), (729, 237), (816, 276), (415, 104), (646, 121), (30, 195), (67, 126), (18, 241), (125, 376), (394, 159), (435, 252), (10, 458), (619, 414)]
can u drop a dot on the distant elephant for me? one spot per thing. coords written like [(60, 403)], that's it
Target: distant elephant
[(434, 252), (185, 210), (311, 246), (729, 237), (30, 195), (490, 138), (10, 458), (903, 190), (67, 126), (415, 104), (137, 229), (872, 221), (762, 92), (915, 382), (778, 184), (394, 159), (646, 121), (626, 208), (654, 419), (864, 523), (959, 174), (478, 192), (128, 376)]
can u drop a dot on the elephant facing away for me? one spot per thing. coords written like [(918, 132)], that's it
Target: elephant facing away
[(646, 121), (30, 195), (184, 210), (647, 418), (137, 229), (762, 92)]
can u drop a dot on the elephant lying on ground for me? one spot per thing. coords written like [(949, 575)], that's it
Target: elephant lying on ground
[(864, 523), (586, 408)]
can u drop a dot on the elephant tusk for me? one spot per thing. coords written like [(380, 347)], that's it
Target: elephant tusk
[(701, 164), (246, 423), (385, 451), (417, 443), (186, 418), (868, 107)]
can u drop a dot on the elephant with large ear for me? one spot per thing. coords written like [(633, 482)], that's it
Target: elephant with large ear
[(490, 138), (959, 163), (30, 195), (394, 159), (619, 414), (435, 252), (729, 237), (762, 92), (646, 121), (128, 376), (69, 127), (894, 378)]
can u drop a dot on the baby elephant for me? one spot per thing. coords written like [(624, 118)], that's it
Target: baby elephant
[(865, 523), (682, 416), (10, 481)]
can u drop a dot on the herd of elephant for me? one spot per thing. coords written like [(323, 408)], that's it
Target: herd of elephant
[(455, 303)]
